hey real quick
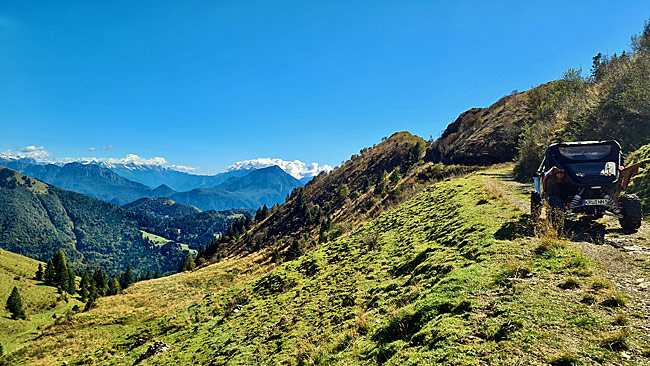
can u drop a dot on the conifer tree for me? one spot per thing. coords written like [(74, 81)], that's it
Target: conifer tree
[(395, 177), (92, 296), (49, 273), (380, 188), (15, 305), (84, 286), (114, 286), (149, 275), (101, 282), (72, 283), (187, 264), (127, 278), (39, 272), (295, 250)]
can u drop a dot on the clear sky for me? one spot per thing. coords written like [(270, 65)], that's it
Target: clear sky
[(210, 83)]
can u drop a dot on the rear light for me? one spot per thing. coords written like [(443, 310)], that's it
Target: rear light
[(559, 175)]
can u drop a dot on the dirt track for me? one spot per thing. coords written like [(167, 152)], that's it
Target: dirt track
[(623, 257)]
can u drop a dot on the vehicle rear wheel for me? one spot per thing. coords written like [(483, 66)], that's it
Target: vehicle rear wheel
[(555, 214), (535, 206), (632, 212)]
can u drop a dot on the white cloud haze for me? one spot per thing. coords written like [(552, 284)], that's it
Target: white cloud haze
[(296, 168)]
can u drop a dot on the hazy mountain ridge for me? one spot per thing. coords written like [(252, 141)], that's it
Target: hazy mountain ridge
[(154, 176), (235, 189)]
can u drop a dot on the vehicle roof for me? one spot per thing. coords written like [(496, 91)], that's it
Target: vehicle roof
[(579, 143)]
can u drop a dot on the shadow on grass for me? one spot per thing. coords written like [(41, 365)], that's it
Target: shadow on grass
[(515, 229)]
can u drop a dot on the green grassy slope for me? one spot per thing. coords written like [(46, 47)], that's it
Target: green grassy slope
[(42, 304), (449, 277)]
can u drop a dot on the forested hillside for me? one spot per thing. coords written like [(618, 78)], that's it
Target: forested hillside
[(36, 220)]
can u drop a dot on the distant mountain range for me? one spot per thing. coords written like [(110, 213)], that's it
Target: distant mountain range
[(155, 175), (235, 189)]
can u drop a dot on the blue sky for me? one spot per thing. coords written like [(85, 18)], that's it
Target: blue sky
[(210, 83)]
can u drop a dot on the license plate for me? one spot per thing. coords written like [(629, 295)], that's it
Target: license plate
[(598, 202)]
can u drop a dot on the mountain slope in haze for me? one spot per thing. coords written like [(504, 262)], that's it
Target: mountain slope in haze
[(237, 189), (162, 208), (154, 175), (37, 219), (88, 179), (266, 186)]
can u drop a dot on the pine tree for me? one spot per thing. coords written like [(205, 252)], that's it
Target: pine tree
[(101, 282), (15, 305), (84, 286), (39, 272), (127, 279), (92, 296), (158, 273), (149, 275), (295, 250), (49, 273), (187, 264), (72, 283), (60, 270), (380, 188), (395, 177), (114, 286)]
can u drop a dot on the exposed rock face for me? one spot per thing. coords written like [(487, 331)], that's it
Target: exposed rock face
[(483, 136)]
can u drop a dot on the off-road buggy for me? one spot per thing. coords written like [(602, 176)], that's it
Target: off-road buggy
[(585, 178)]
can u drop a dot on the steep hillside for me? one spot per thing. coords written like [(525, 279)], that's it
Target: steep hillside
[(36, 220), (484, 136), (42, 304), (162, 208), (441, 279), (333, 203)]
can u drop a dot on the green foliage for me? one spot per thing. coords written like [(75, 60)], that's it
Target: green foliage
[(395, 177), (41, 220), (343, 191), (15, 305), (382, 182), (39, 272), (295, 250), (127, 278), (187, 264), (613, 104), (641, 182), (114, 287)]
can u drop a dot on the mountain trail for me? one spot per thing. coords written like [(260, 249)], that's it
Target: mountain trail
[(623, 257)]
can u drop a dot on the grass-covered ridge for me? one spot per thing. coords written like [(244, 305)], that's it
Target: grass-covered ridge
[(442, 279), (42, 304)]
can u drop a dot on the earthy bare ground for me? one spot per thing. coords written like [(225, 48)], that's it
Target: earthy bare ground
[(624, 257)]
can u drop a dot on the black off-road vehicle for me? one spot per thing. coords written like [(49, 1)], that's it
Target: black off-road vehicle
[(586, 178)]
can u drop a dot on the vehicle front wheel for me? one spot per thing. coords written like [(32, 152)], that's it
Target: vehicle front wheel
[(632, 212), (535, 206)]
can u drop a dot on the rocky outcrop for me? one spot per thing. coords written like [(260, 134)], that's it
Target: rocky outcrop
[(483, 136)]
